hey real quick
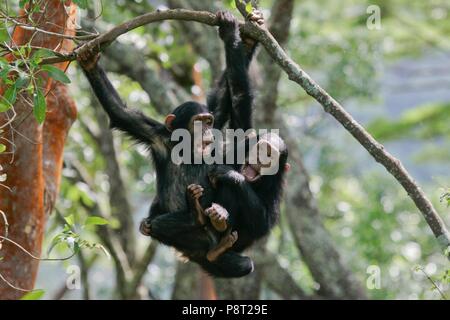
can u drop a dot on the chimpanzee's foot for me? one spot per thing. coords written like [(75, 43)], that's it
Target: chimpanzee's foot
[(195, 191), (218, 216), (146, 227), (225, 243)]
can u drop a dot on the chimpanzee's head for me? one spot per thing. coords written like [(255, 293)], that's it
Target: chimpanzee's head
[(267, 159), (186, 115)]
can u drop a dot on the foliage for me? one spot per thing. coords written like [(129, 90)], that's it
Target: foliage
[(422, 122), (33, 295), (72, 239)]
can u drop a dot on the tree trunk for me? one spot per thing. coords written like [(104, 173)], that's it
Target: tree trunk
[(34, 167)]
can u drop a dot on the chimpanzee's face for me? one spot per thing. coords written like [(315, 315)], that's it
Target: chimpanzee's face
[(202, 123), (263, 160)]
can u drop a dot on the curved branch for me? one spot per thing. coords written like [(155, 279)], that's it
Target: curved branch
[(298, 75), (104, 39)]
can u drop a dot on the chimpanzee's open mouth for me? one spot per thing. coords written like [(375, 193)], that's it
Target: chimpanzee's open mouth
[(251, 172), (206, 143)]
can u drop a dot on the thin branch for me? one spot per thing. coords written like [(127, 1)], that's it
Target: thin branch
[(435, 285), (6, 224), (36, 29), (279, 279), (8, 283), (2, 238)]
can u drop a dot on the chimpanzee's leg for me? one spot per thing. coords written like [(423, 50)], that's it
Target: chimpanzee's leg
[(177, 229), (226, 242)]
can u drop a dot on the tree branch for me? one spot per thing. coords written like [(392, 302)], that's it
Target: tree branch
[(141, 266), (117, 193), (279, 279)]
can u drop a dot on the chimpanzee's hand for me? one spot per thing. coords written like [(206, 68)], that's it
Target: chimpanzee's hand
[(87, 58), (195, 191), (228, 25)]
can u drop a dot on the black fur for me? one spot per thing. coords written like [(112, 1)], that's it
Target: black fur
[(253, 207)]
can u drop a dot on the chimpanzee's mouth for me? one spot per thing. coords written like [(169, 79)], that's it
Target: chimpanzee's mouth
[(206, 143), (251, 172)]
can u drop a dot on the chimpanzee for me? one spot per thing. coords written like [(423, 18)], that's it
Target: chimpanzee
[(170, 219), (246, 202)]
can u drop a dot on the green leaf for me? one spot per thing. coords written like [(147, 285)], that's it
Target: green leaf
[(22, 81), (4, 35), (11, 94), (40, 106), (22, 3), (55, 241), (33, 295), (249, 7), (9, 98), (43, 53), (97, 221), (56, 73), (2, 148), (70, 219), (4, 73), (38, 55)]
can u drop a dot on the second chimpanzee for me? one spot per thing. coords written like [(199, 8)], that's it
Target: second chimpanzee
[(247, 201)]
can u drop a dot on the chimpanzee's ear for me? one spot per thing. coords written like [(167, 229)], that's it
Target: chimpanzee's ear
[(168, 121), (287, 167)]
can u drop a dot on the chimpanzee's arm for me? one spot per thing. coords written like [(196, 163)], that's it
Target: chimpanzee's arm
[(133, 122), (219, 99), (232, 98)]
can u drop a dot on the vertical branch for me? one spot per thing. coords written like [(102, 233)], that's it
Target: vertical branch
[(119, 204)]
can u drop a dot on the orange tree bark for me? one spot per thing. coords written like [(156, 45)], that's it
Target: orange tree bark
[(34, 169)]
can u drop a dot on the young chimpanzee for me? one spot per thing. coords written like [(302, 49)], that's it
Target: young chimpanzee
[(170, 219), (247, 201)]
